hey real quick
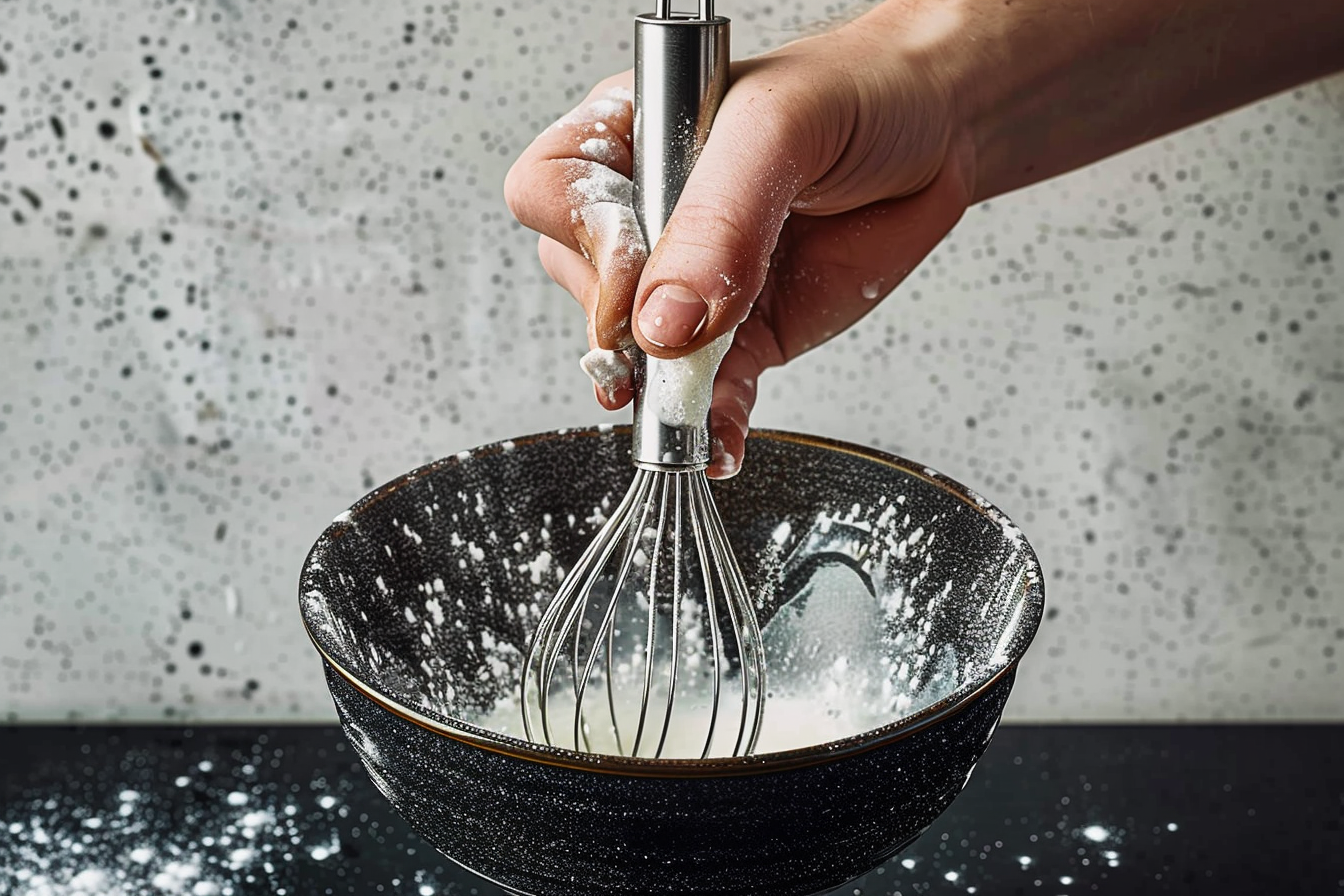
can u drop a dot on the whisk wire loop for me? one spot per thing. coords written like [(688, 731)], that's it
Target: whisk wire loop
[(742, 617), (677, 594), (656, 613), (698, 526), (545, 654), (651, 633), (605, 635)]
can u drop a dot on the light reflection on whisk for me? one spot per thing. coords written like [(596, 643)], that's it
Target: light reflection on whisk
[(657, 615)]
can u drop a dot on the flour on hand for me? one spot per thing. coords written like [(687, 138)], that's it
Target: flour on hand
[(602, 200), (609, 370)]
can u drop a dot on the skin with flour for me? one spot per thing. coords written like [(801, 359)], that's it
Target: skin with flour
[(601, 201), (839, 161)]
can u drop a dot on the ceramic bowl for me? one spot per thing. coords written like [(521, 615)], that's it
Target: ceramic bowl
[(420, 600)]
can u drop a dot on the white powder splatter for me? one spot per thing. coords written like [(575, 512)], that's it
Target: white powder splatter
[(90, 880), (599, 150), (603, 200), (225, 841), (539, 566), (436, 610), (591, 112), (680, 389), (411, 534), (609, 370), (593, 184)]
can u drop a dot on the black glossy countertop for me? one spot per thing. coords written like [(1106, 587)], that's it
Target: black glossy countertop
[(229, 811)]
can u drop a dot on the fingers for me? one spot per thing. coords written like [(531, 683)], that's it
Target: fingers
[(754, 349), (572, 185), (609, 370), (572, 272), (539, 188), (828, 273), (711, 261), (616, 249)]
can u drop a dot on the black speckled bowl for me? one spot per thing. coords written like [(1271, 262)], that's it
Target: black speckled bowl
[(420, 599)]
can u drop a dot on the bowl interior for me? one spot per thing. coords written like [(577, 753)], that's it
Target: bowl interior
[(886, 592)]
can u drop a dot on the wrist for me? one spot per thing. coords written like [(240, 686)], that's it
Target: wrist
[(934, 67), (1040, 87), (1011, 75)]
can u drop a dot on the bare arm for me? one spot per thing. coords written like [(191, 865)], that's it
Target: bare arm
[(838, 162), (1046, 86)]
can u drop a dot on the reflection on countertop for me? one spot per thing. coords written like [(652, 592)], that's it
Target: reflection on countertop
[(240, 810)]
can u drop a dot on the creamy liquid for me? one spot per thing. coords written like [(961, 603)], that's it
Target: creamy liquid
[(831, 676)]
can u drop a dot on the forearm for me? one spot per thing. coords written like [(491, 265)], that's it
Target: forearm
[(1046, 86)]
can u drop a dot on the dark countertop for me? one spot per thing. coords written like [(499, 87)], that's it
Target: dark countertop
[(235, 811)]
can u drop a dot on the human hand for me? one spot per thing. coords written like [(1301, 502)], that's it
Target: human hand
[(833, 167)]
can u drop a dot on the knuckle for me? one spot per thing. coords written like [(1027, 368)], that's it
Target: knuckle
[(720, 225), (520, 186)]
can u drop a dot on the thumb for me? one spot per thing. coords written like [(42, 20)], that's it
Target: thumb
[(713, 256)]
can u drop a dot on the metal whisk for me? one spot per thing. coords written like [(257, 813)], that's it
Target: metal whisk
[(651, 646)]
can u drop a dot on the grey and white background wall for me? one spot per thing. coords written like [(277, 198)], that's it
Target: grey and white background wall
[(254, 261)]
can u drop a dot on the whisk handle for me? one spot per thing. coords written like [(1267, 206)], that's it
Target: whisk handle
[(681, 74)]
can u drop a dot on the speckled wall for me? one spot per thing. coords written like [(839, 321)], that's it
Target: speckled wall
[(254, 261)]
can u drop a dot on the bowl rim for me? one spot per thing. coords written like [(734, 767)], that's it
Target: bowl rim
[(1030, 609)]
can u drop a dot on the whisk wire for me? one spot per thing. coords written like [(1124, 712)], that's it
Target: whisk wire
[(742, 617), (605, 545), (650, 639), (676, 626), (643, 485), (546, 652), (711, 611)]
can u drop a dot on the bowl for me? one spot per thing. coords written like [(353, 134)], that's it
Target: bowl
[(420, 600)]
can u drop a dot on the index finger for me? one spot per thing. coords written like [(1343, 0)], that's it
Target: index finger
[(540, 188)]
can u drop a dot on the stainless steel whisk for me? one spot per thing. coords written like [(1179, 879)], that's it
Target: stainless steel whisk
[(652, 639)]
